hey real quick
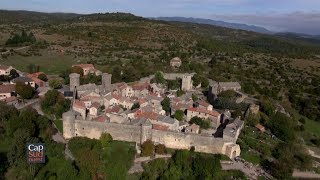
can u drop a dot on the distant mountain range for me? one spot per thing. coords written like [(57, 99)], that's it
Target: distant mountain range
[(217, 23)]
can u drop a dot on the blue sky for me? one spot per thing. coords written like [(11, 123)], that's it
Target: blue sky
[(277, 15)]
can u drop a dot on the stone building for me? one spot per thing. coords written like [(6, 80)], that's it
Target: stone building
[(88, 68), (5, 70), (25, 80), (217, 87), (175, 62), (213, 115), (186, 83), (6, 91)]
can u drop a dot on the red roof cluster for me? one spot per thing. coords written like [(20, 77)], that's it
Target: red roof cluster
[(147, 115), (79, 104), (140, 86), (201, 110)]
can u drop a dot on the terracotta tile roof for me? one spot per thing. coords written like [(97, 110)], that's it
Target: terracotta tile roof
[(95, 105), (35, 74), (147, 115), (201, 110), (203, 103), (4, 67), (101, 118), (193, 127), (79, 104), (35, 78), (85, 66), (160, 127), (114, 109), (9, 99), (261, 128), (140, 86), (7, 88)]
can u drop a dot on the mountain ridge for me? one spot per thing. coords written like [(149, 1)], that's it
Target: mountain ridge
[(217, 23)]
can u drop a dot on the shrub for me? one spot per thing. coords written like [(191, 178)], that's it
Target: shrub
[(204, 124), (55, 84), (160, 149), (147, 148)]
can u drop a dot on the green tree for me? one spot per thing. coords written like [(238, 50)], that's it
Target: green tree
[(158, 78), (179, 115), (77, 69), (105, 139), (194, 97), (43, 77), (135, 106), (180, 93), (282, 126), (204, 124), (55, 103), (160, 149), (24, 90), (166, 104), (267, 107), (55, 84), (147, 148)]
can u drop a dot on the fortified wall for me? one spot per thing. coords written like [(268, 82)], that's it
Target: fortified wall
[(140, 133)]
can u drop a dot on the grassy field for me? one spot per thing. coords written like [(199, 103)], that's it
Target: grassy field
[(59, 125), (49, 62)]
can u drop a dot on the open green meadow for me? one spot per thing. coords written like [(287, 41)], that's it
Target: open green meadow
[(49, 62)]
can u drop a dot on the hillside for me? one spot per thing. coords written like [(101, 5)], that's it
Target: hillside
[(281, 71), (217, 23)]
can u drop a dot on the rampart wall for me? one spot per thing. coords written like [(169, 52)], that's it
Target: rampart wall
[(139, 134)]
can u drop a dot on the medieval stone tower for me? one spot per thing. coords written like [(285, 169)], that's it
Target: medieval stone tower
[(68, 124), (186, 83), (74, 81), (146, 132), (106, 81)]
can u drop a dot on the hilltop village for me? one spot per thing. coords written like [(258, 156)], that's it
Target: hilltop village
[(142, 110)]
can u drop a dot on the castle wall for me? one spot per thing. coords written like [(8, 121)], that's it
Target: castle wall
[(177, 140), (121, 132), (174, 76), (134, 133)]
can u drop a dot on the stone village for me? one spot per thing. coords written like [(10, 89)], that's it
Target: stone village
[(108, 107)]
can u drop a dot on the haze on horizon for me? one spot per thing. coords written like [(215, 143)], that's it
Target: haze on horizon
[(301, 16)]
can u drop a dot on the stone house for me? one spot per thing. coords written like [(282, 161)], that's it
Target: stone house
[(25, 80), (193, 129), (88, 68), (141, 89), (94, 109), (35, 78), (175, 62), (204, 105), (5, 70), (157, 88), (204, 113), (6, 91), (126, 102), (80, 107)]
